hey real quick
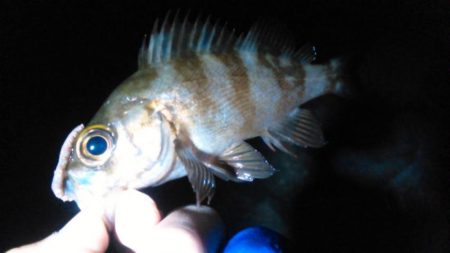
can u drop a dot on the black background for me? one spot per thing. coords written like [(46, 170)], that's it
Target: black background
[(381, 184)]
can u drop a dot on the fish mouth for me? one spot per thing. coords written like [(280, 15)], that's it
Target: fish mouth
[(59, 183)]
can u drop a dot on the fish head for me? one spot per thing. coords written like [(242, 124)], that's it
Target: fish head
[(133, 152)]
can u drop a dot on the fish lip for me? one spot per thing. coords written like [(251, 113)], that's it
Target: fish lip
[(60, 174)]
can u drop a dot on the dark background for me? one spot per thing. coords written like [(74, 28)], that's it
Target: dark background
[(380, 185)]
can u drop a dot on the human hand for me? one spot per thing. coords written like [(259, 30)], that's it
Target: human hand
[(138, 225)]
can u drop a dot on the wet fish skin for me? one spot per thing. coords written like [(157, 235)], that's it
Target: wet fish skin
[(188, 109)]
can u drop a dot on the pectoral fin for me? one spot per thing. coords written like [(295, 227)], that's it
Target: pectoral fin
[(239, 163), (200, 176), (300, 128)]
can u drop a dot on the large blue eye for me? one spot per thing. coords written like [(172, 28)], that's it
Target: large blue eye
[(96, 145)]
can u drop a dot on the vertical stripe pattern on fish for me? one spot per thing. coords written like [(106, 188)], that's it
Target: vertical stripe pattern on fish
[(198, 94)]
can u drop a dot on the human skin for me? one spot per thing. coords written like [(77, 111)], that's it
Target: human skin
[(138, 225)]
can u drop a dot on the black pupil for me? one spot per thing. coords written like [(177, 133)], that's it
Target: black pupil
[(97, 145)]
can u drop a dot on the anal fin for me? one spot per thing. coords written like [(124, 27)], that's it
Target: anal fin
[(300, 128)]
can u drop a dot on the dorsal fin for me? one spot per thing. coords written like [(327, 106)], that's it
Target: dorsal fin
[(175, 38), (269, 36)]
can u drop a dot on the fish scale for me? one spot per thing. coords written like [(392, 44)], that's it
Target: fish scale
[(199, 93)]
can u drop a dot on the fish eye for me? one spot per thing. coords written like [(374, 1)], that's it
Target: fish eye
[(95, 144)]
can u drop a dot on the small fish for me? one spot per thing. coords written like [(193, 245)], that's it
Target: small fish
[(199, 92)]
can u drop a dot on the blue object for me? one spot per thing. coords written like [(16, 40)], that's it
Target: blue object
[(97, 145), (254, 240)]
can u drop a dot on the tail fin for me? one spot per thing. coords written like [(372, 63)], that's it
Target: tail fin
[(339, 68), (325, 78)]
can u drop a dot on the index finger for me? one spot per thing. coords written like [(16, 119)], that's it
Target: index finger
[(138, 226), (84, 233), (196, 229)]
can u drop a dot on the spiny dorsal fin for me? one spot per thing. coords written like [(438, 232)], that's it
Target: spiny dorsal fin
[(175, 39)]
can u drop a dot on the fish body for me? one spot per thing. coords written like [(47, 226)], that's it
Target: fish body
[(198, 94)]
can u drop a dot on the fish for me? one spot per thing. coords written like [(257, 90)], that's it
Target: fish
[(199, 92)]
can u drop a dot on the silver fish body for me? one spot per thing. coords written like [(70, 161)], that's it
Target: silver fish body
[(188, 109)]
